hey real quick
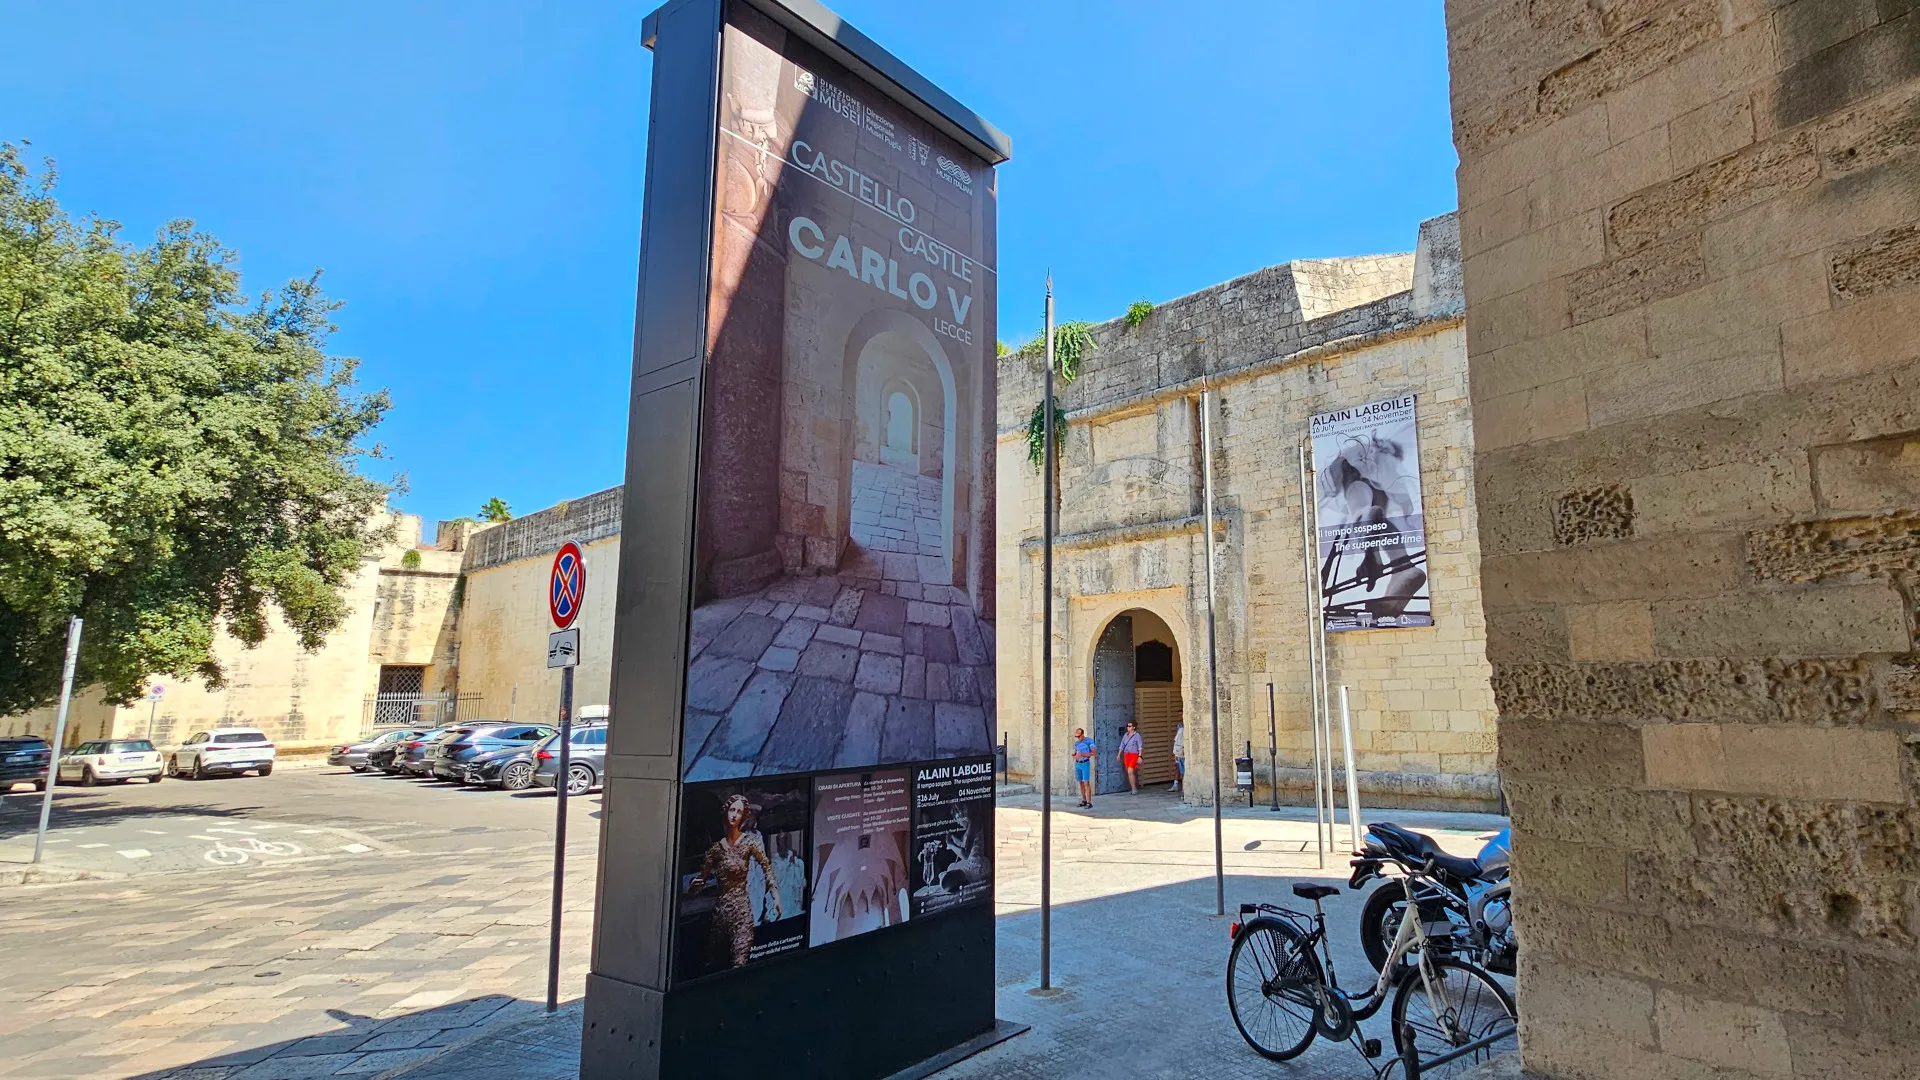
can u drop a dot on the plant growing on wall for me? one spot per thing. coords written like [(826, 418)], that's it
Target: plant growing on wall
[(1072, 341), (1138, 311), (496, 510), (410, 560)]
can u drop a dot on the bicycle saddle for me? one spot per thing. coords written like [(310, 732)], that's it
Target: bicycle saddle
[(1417, 848), (1305, 891)]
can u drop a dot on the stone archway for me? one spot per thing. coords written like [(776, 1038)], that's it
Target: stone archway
[(1134, 676), (893, 350)]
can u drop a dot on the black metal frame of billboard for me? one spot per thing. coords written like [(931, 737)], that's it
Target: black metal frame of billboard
[(791, 1017)]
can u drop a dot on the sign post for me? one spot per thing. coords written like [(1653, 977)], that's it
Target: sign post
[(566, 590), (59, 734), (154, 696)]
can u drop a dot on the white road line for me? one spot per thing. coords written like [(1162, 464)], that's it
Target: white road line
[(92, 845), (236, 832), (355, 848), (136, 853), (153, 832), (311, 832), (263, 828), (198, 837)]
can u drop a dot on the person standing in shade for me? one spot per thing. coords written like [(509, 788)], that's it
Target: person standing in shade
[(1083, 751), (1179, 755), (1130, 747)]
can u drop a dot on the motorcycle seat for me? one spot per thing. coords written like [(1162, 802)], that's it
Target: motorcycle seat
[(1417, 848)]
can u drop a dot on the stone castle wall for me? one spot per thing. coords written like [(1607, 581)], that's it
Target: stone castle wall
[(1129, 524), (1689, 232)]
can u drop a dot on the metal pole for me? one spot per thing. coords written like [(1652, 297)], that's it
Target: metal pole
[(1213, 672), (1323, 687), (560, 836), (513, 700), (1046, 661), (59, 734), (1353, 785), (1273, 750), (1310, 563), (152, 710)]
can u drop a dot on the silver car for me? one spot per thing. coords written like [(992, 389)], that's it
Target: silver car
[(354, 755), (586, 759)]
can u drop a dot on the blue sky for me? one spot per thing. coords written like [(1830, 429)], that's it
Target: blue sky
[(469, 175)]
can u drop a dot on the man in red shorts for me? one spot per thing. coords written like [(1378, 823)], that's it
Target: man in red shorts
[(1130, 745)]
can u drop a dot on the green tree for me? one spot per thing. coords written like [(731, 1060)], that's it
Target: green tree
[(173, 457), (496, 510)]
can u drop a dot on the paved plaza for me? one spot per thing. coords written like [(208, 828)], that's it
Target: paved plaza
[(425, 955)]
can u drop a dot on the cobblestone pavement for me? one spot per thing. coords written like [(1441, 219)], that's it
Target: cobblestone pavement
[(881, 661), (1138, 954), (427, 957), (281, 968)]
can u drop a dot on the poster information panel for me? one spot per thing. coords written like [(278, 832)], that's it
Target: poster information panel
[(952, 835), (1373, 541), (861, 831)]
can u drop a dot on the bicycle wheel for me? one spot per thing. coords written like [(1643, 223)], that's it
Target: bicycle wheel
[(1273, 988), (1465, 1004)]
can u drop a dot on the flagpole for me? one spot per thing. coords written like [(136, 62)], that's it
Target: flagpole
[(1046, 660)]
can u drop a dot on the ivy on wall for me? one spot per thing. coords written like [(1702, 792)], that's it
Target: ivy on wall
[(1072, 341)]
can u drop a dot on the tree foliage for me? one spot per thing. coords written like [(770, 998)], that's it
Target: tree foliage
[(496, 510), (173, 457), (1072, 341)]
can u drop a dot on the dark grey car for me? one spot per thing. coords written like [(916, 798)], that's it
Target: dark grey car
[(586, 759)]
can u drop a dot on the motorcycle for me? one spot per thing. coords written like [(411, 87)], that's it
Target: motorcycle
[(1466, 908)]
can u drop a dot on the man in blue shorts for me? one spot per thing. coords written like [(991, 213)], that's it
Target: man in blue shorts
[(1083, 751)]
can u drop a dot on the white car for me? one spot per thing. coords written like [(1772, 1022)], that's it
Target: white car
[(110, 759), (222, 750)]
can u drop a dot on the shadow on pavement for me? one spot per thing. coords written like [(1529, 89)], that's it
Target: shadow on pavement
[(79, 807), (491, 1037)]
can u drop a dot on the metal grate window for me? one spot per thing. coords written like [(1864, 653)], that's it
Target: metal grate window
[(402, 678)]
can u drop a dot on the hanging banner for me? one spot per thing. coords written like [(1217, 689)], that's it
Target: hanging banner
[(1373, 541)]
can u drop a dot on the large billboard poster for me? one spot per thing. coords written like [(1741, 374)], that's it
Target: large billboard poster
[(861, 827), (1373, 541), (952, 835), (843, 575)]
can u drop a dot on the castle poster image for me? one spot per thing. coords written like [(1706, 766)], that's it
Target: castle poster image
[(844, 574), (1373, 540), (861, 827), (741, 890)]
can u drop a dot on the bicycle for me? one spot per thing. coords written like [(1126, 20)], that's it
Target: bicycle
[(1446, 1011)]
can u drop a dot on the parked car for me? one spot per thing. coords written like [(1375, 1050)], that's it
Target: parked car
[(391, 758), (460, 751), (354, 755), (416, 759), (586, 758), (24, 760), (509, 768), (110, 759), (439, 756), (230, 750)]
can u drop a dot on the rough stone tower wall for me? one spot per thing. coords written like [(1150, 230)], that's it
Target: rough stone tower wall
[(1692, 244)]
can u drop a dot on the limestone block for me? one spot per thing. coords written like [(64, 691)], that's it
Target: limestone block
[(1850, 70), (1630, 281), (1884, 261), (1580, 1011), (1699, 565), (1721, 496), (1645, 48), (1711, 73), (1711, 132), (1808, 763), (1868, 476), (1581, 873), (1718, 370), (1592, 514), (1808, 220), (1496, 322), (1653, 820), (1870, 546), (1713, 191), (1760, 691), (1818, 621), (1823, 1050), (1723, 1034), (1545, 412), (1548, 252), (1614, 631), (1884, 996)]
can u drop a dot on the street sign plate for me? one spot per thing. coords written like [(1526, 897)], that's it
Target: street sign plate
[(157, 691), (567, 587), (563, 648)]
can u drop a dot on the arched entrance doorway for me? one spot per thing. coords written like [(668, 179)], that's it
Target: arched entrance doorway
[(1136, 677)]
